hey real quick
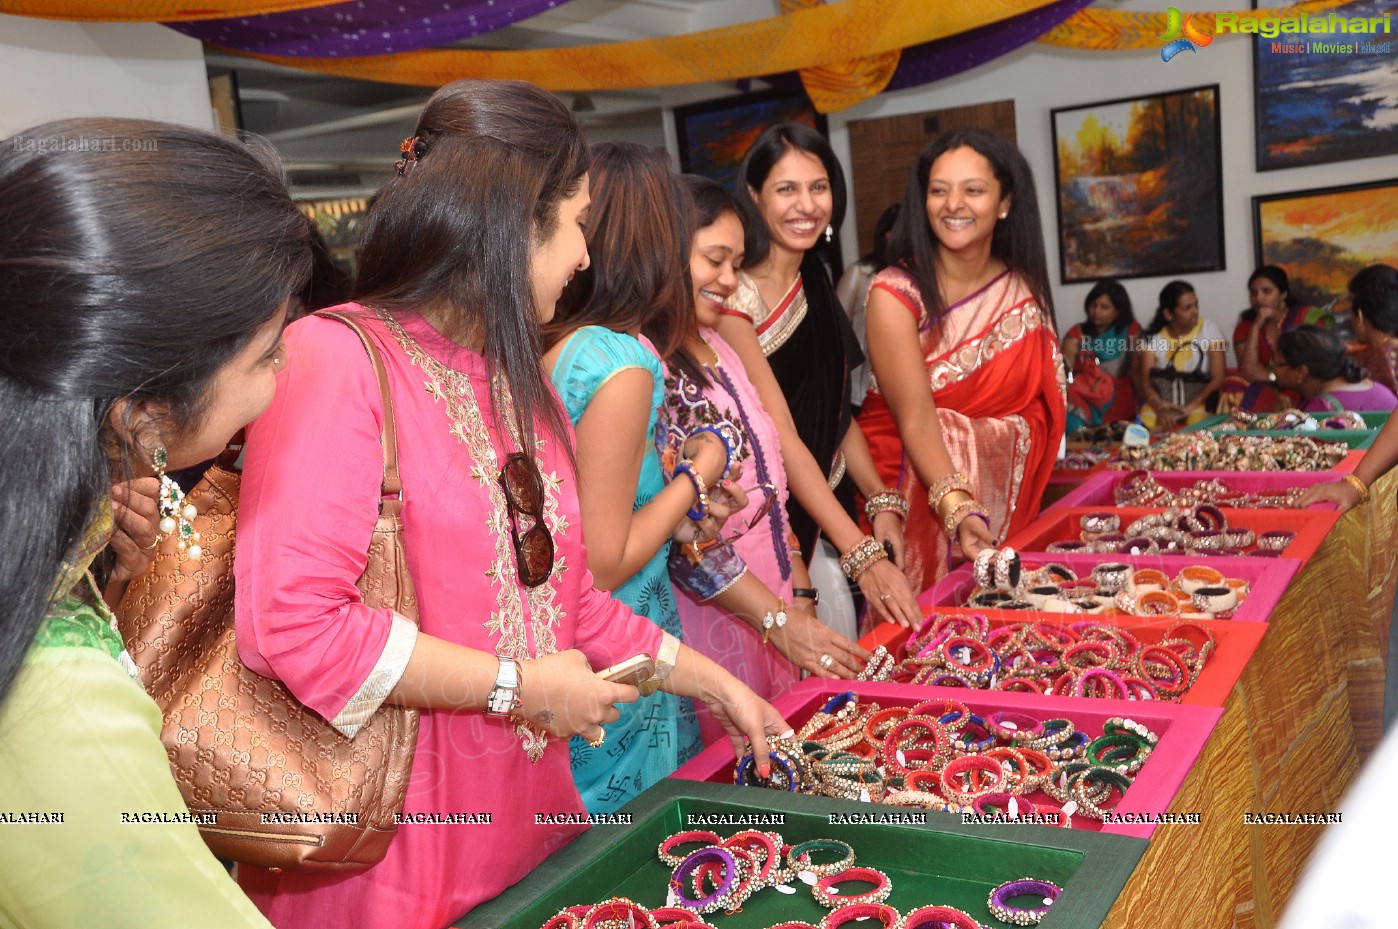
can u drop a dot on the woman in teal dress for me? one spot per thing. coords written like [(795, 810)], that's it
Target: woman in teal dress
[(615, 319)]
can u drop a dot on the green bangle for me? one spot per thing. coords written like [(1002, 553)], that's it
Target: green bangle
[(806, 849)]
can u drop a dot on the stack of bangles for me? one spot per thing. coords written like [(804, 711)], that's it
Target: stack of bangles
[(861, 556), (1076, 659), (1140, 489), (888, 500), (753, 860), (1197, 592), (951, 499), (1230, 451), (939, 755)]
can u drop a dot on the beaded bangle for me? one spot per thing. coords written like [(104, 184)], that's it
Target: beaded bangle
[(825, 894), (1275, 541), (723, 896), (957, 778), (998, 804), (667, 848), (567, 919), (861, 556), (951, 523), (616, 913), (766, 849), (940, 917), (973, 737), (701, 492), (798, 857), (730, 442), (677, 917), (1014, 727), (886, 915), (888, 500), (999, 901), (1090, 805), (1119, 725)]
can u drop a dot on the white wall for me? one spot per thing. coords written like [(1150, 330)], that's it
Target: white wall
[(1040, 78), (53, 70)]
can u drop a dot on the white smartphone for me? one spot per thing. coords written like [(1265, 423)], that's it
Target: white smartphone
[(632, 671)]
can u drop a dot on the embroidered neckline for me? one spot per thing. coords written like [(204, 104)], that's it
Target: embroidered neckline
[(454, 391)]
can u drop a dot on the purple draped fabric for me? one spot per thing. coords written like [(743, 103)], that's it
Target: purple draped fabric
[(363, 27)]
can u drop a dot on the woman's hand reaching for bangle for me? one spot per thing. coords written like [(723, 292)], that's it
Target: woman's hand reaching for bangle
[(813, 646), (888, 593), (973, 535), (562, 695)]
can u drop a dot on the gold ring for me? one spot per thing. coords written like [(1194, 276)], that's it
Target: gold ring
[(153, 544), (597, 742)]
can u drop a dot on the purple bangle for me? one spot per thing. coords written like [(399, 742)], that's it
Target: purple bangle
[(722, 897), (999, 901), (1275, 541)]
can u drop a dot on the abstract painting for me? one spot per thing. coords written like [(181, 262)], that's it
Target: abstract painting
[(1139, 186), (1323, 236), (1325, 96), (713, 136)]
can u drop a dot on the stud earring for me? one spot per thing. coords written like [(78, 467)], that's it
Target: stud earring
[(176, 516), (1004, 214), (829, 232)]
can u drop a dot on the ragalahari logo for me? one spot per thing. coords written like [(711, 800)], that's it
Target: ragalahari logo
[(1180, 34)]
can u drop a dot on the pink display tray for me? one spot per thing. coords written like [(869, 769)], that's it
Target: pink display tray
[(1061, 525), (1097, 489), (1267, 578), (1182, 731)]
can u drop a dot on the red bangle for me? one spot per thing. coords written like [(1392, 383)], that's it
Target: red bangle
[(825, 895), (677, 917), (879, 723), (940, 710), (939, 917), (618, 910), (977, 766), (886, 915), (757, 843), (667, 848), (1092, 654)]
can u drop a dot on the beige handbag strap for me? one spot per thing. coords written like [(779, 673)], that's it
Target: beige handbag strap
[(392, 499)]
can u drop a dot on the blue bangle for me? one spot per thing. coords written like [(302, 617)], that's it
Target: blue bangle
[(701, 493), (838, 702), (729, 443)]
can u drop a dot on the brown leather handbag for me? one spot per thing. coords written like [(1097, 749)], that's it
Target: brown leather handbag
[(280, 786)]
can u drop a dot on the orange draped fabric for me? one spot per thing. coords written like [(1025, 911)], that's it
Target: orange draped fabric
[(996, 375)]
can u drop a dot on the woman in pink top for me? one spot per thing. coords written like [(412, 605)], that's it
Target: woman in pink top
[(464, 255)]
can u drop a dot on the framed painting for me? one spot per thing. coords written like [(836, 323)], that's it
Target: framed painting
[(1328, 93), (1323, 236), (714, 135), (1139, 184)]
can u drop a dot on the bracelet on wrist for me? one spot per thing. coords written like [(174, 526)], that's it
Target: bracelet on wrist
[(774, 620), (701, 491), (952, 482), (861, 556), (888, 500), (1359, 486)]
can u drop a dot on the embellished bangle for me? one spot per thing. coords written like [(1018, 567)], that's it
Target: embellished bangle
[(861, 556), (952, 482), (730, 442), (940, 917), (888, 500), (1275, 541), (667, 848), (618, 911), (1014, 727), (1007, 569), (959, 514), (724, 897), (984, 568), (1359, 486), (798, 857), (999, 901), (1096, 524), (774, 620), (826, 895), (701, 491), (766, 848), (858, 912)]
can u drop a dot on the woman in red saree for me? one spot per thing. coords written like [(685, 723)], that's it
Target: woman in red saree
[(968, 378)]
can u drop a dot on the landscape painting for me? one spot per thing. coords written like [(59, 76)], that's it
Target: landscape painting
[(1327, 96), (713, 136), (1323, 236), (1139, 186)]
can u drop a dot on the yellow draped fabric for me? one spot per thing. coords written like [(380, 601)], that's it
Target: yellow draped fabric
[(1113, 30), (823, 35), (149, 11), (839, 86)]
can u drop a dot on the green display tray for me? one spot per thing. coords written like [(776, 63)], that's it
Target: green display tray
[(1354, 438), (943, 862)]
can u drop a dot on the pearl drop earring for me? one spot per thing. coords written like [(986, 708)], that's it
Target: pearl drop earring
[(176, 516), (829, 232)]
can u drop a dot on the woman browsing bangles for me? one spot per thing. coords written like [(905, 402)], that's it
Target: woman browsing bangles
[(464, 256)]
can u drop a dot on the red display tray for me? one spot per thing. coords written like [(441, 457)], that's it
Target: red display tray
[(1234, 643), (1182, 731), (1098, 489), (1064, 524), (1267, 578)]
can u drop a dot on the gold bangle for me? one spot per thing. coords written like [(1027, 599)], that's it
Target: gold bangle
[(952, 500), (864, 553), (1358, 484), (954, 481)]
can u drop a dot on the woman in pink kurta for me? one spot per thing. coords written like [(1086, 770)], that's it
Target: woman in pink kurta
[(490, 794)]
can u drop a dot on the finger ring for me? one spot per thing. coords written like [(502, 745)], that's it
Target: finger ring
[(597, 742), (153, 543), (885, 596), (826, 661)]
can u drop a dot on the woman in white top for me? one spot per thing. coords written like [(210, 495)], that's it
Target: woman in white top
[(1184, 361)]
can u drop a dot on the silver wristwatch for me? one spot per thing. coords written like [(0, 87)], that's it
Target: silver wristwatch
[(504, 696)]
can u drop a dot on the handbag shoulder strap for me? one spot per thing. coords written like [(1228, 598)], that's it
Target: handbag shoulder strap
[(392, 497)]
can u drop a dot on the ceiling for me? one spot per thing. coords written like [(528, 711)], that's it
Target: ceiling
[(340, 137)]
